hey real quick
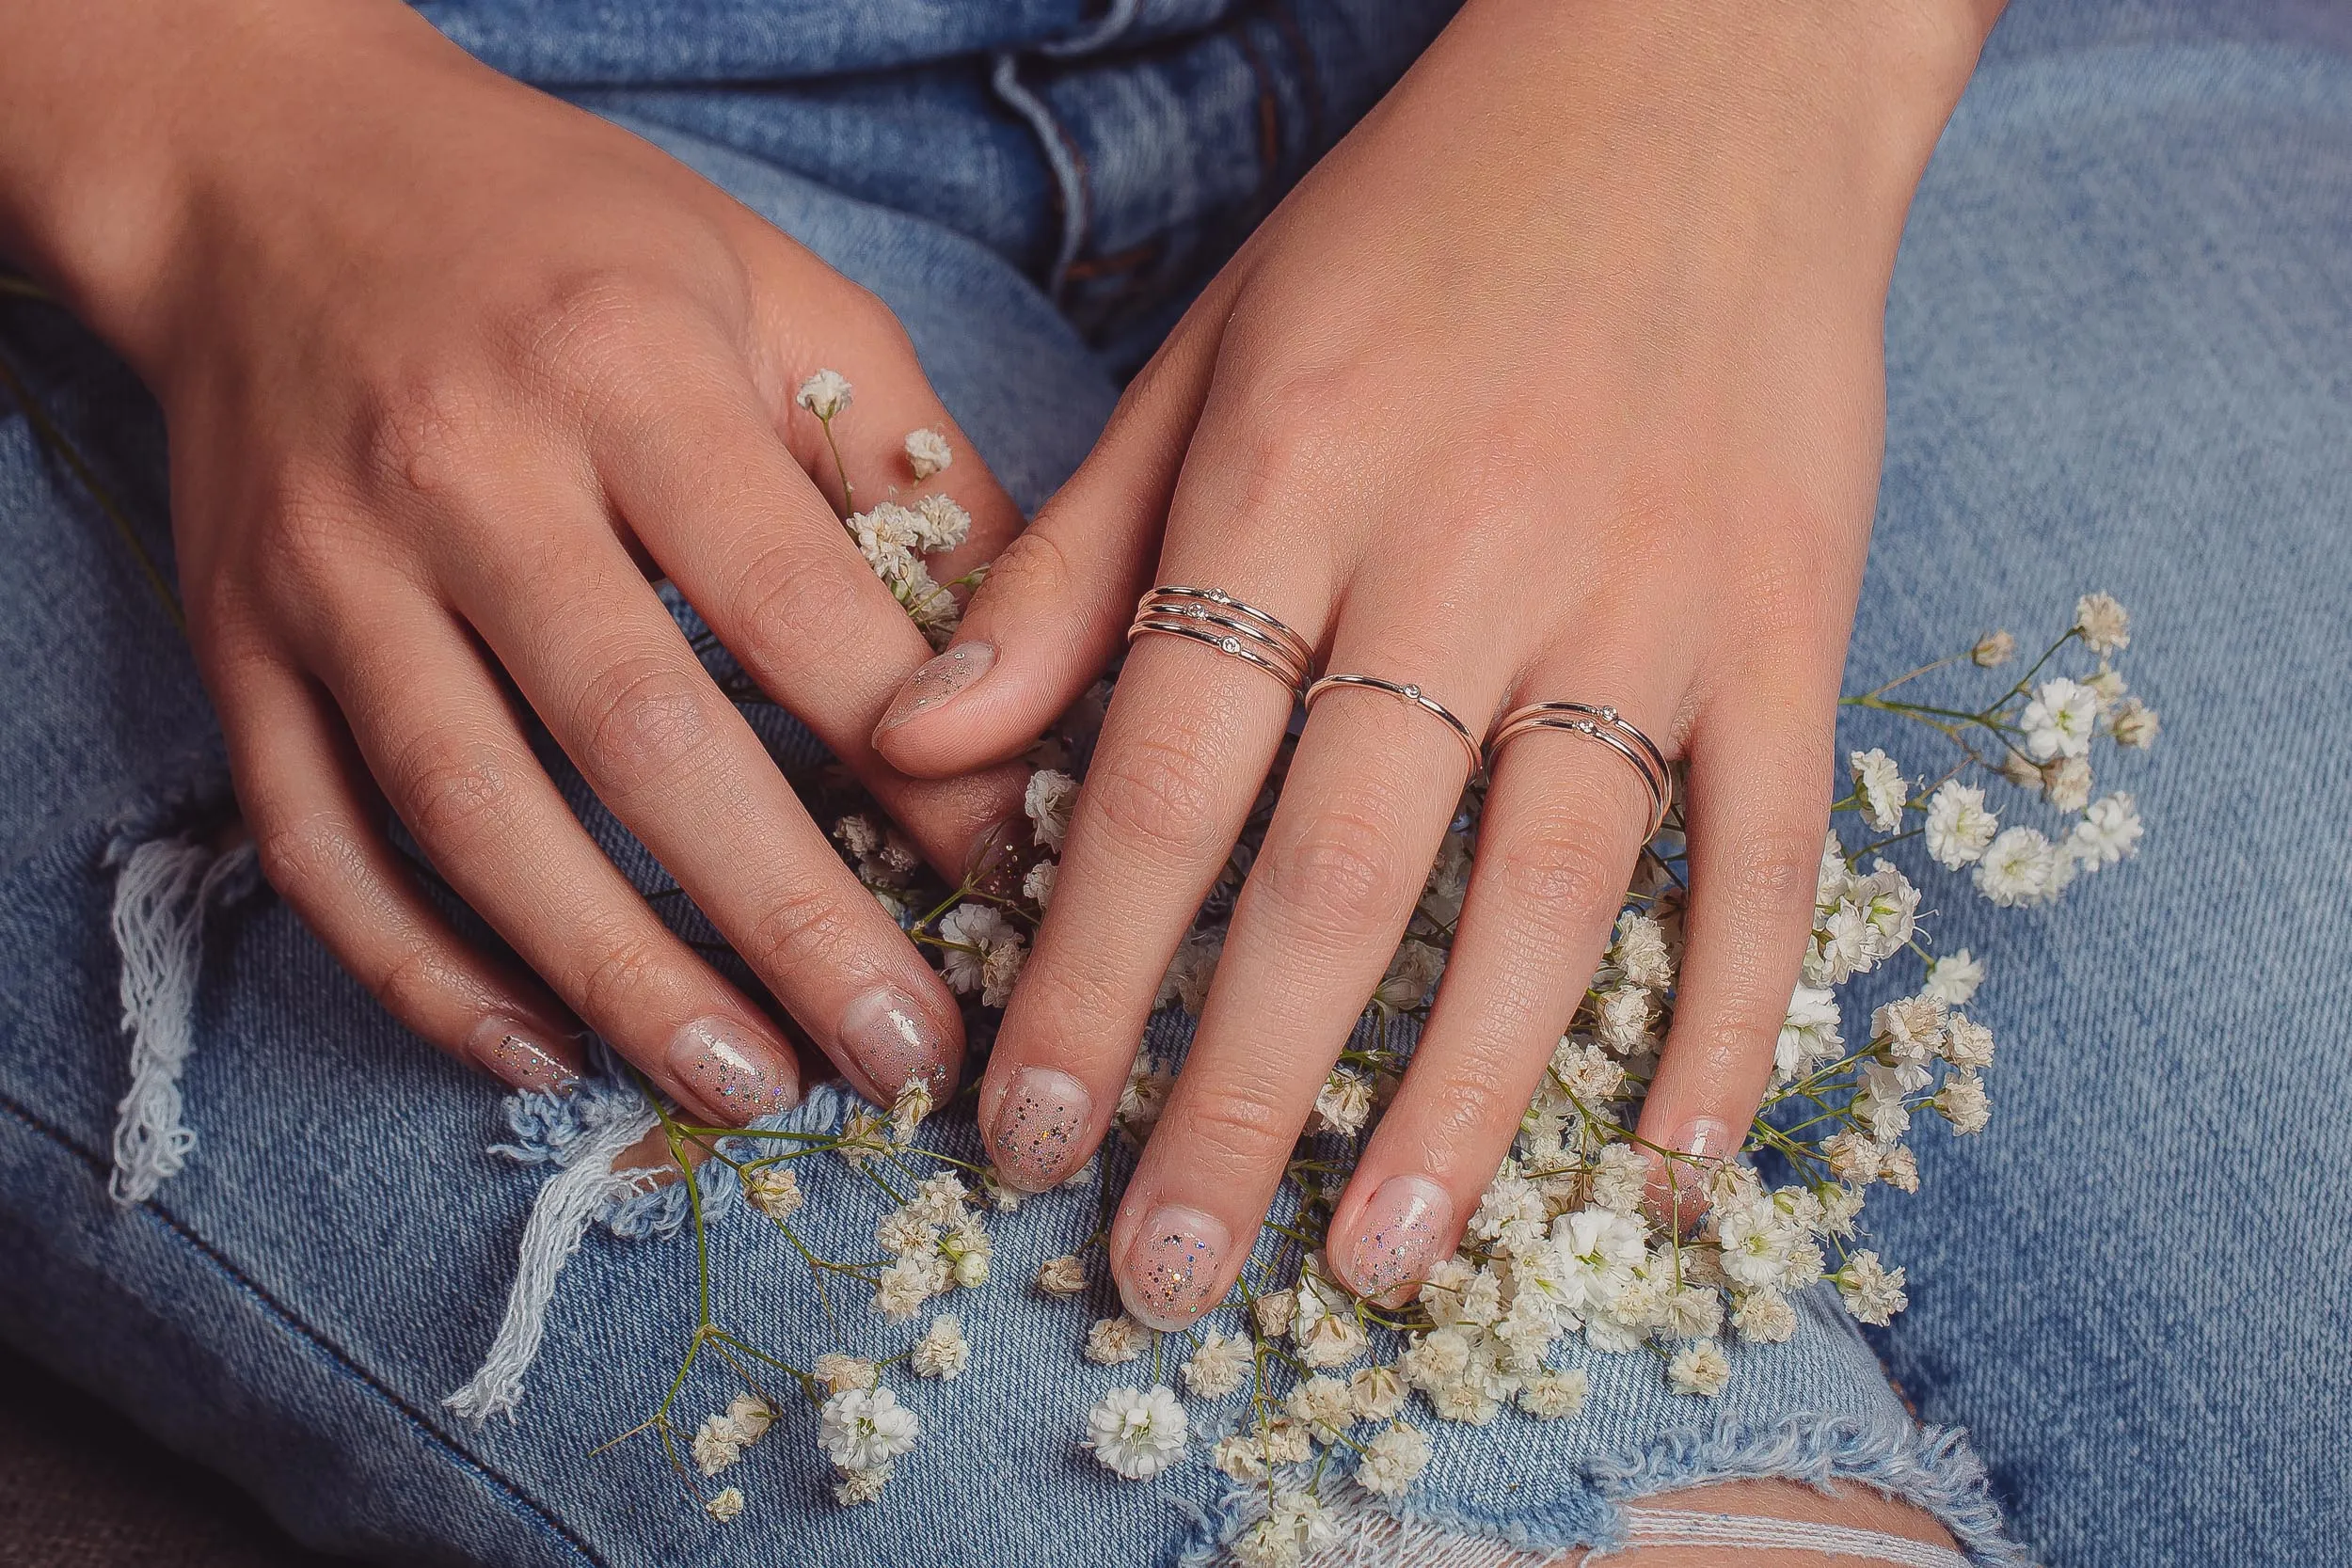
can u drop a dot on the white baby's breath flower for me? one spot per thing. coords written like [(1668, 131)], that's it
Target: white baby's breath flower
[(1324, 1404), (1809, 1031), (1552, 1394), (749, 1414), (1001, 971), (1217, 1366), (1764, 1316), (1879, 786), (1959, 827), (1112, 1340), (726, 1506), (1297, 1525), (1639, 953), (1037, 886), (943, 1352), (1062, 1277), (1138, 1433), (1378, 1392), (1048, 804), (2109, 831), (2060, 719), (2066, 783), (716, 1445), (1967, 1043), (1334, 1339), (1141, 1100), (941, 524), (1345, 1103), (864, 1428), (824, 394), (1994, 649), (841, 1373), (861, 1487), (1699, 1367), (2134, 723), (2019, 868), (973, 931), (928, 453), (1393, 1461), (1962, 1103), (1900, 1168), (1190, 971), (1873, 1293), (1412, 972), (1624, 1020), (1953, 978), (1276, 1311), (774, 1190), (2104, 626)]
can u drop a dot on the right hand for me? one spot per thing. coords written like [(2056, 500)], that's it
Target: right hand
[(450, 370)]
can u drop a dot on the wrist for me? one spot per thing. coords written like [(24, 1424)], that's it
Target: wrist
[(126, 126)]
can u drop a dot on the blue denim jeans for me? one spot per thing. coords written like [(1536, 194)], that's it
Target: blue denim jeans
[(2116, 358)]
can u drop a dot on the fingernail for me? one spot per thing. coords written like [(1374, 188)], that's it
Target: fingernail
[(1173, 1267), (1039, 1125), (732, 1070), (1397, 1237), (519, 1055), (1677, 1193), (894, 1043), (938, 682)]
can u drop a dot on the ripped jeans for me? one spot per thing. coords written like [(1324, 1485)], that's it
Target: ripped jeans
[(2116, 360)]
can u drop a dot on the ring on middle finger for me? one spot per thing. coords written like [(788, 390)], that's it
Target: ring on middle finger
[(1412, 695), (1240, 630)]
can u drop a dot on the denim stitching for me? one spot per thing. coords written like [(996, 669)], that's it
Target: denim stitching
[(533, 1512)]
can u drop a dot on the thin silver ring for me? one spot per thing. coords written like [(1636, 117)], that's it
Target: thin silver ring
[(1201, 603), (1215, 619), (1412, 695), (1605, 725)]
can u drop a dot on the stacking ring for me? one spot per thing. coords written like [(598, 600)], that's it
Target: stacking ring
[(1601, 724), (1213, 616), (1405, 693)]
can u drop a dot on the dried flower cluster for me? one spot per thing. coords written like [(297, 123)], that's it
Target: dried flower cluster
[(1568, 1241)]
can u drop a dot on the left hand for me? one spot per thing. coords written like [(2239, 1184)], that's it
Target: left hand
[(1560, 378)]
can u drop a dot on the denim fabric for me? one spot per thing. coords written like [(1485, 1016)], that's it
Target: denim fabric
[(2115, 359)]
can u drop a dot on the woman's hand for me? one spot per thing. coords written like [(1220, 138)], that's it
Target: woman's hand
[(1560, 379), (450, 370)]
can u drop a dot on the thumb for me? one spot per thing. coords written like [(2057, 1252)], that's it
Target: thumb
[(1055, 608)]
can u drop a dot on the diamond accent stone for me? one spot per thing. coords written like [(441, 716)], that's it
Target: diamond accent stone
[(1232, 644), (1412, 691), (1610, 714), (1217, 595)]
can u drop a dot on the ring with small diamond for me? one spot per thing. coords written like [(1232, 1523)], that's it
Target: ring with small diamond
[(1412, 695), (1602, 723), (1215, 619)]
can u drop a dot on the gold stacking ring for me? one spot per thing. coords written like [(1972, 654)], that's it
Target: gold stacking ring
[(1213, 616), (1405, 693), (1595, 723)]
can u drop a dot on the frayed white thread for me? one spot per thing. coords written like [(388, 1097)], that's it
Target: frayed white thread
[(161, 896), (1648, 1527), (558, 1218)]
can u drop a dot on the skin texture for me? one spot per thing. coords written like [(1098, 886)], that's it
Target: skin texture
[(450, 370), (1560, 378)]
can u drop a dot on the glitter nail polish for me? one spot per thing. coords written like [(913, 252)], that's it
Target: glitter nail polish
[(1175, 1267), (1676, 1199), (1040, 1127), (894, 1043), (731, 1070), (939, 680), (1398, 1234), (518, 1053)]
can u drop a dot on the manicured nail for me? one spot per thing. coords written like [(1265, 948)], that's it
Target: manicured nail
[(1173, 1267), (1039, 1125), (732, 1070), (518, 1053), (938, 682), (894, 1043), (1397, 1237), (1677, 1193)]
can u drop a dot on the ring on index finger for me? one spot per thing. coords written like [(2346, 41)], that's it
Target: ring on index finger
[(1239, 630)]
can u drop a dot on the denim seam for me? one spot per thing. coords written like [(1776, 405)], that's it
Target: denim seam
[(538, 1516), (1062, 156)]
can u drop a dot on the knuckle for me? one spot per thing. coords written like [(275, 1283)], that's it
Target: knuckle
[(1767, 870), (644, 721), (1033, 569), (1159, 791), (1236, 1129), (789, 595), (422, 436), (627, 963), (1341, 874), (412, 983), (457, 794), (1560, 864), (307, 857), (804, 931)]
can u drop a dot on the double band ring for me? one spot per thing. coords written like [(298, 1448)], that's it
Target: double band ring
[(1215, 617), (1601, 724), (1405, 693)]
